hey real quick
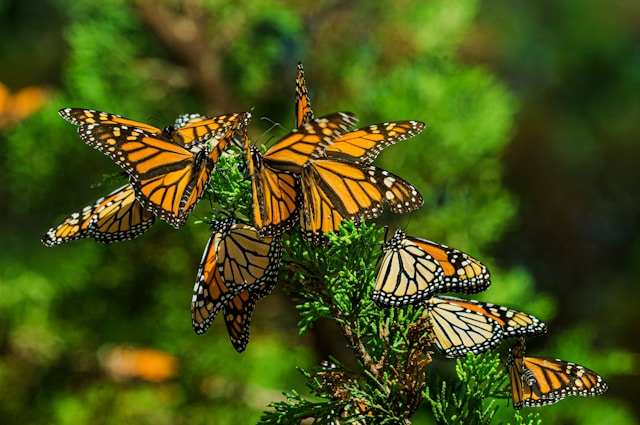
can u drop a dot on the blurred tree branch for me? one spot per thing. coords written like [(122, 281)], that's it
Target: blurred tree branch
[(185, 35)]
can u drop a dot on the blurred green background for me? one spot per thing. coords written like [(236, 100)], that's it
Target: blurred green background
[(529, 162)]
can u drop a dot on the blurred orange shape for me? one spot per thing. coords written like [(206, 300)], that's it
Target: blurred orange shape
[(18, 106), (142, 363)]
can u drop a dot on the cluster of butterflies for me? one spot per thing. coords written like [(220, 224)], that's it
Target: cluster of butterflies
[(413, 270), (317, 175)]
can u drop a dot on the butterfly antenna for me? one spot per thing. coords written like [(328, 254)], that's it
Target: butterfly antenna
[(200, 219), (273, 125), (167, 130), (384, 241), (386, 232), (408, 220)]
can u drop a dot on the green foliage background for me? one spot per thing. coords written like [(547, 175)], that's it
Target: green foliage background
[(385, 61)]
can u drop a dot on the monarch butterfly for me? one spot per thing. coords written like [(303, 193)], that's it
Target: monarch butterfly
[(414, 269), (539, 381), (275, 174), (335, 188), (461, 326), (168, 168), (237, 269), (116, 217)]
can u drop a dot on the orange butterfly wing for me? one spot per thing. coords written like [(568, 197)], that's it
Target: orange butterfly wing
[(188, 129), (307, 142), (115, 217), (562, 379), (318, 215), (514, 323), (304, 113), (365, 144), (237, 317), (119, 215), (203, 169), (337, 189), (80, 117), (515, 368)]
